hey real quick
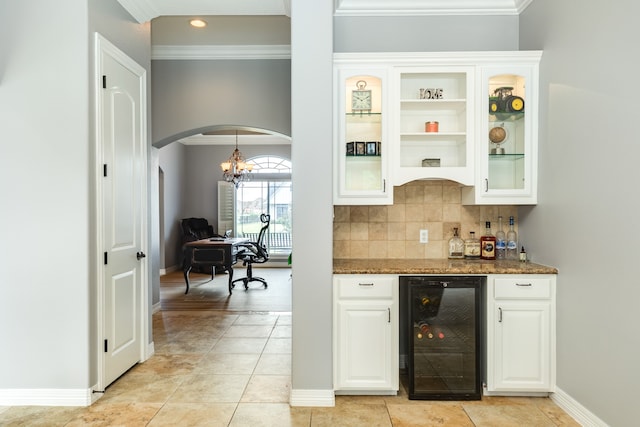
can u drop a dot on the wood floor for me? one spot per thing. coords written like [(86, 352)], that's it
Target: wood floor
[(207, 294)]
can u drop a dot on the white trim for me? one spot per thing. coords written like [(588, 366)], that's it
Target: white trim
[(324, 398), (229, 140), (578, 412), (170, 269), (428, 8), (46, 397), (141, 10), (209, 52), (439, 58), (156, 308)]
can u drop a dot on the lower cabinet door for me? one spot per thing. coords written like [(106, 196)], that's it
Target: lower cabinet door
[(364, 359), (522, 350)]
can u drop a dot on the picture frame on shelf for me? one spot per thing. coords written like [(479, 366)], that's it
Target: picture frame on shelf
[(350, 151), (360, 148), (372, 148)]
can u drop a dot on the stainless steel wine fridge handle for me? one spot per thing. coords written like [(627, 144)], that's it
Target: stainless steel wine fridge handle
[(499, 315)]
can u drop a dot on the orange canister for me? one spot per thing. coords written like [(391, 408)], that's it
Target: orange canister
[(431, 126)]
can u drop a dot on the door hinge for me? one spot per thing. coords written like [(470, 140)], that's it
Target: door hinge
[(104, 82), (104, 170), (106, 345), (105, 258)]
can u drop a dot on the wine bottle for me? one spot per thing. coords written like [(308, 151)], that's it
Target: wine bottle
[(425, 329), (501, 242), (512, 241), (488, 243)]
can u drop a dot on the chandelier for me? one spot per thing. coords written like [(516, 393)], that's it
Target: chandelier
[(235, 169)]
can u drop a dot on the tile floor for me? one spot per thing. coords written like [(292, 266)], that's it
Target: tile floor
[(216, 368)]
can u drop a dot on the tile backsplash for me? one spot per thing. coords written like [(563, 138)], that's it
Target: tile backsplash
[(393, 231)]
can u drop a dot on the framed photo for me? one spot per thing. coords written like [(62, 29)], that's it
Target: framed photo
[(372, 148), (361, 148), (350, 148)]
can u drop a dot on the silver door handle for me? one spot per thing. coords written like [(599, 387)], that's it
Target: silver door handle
[(140, 255)]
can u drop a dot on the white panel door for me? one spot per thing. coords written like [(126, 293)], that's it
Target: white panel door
[(122, 142)]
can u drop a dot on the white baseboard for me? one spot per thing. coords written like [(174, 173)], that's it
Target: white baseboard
[(155, 308), (325, 398), (46, 397), (171, 269), (572, 407), (150, 350)]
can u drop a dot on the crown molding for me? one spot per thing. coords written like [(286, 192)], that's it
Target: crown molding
[(141, 10), (428, 7), (187, 52)]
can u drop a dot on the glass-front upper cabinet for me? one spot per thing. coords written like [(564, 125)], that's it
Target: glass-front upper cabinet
[(507, 135), (434, 123), (360, 137)]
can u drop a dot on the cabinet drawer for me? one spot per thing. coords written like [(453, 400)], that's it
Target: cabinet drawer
[(523, 287), (365, 287)]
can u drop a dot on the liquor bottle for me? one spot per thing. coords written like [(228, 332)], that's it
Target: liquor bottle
[(488, 243), (501, 242), (472, 246), (512, 242), (523, 255), (456, 245)]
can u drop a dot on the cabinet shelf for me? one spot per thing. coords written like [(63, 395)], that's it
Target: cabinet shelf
[(506, 117), (433, 135), (363, 114), (506, 157)]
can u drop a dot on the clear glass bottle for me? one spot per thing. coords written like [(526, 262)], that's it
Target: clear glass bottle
[(512, 242), (456, 245), (488, 243), (501, 241), (472, 246)]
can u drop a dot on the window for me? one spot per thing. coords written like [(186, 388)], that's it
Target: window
[(268, 191)]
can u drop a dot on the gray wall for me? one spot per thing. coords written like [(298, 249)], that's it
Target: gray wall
[(191, 95), (585, 221), (47, 329), (425, 34)]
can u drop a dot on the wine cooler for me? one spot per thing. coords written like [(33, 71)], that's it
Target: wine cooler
[(443, 323)]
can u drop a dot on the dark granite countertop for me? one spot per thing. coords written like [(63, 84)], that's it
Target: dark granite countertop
[(437, 266)]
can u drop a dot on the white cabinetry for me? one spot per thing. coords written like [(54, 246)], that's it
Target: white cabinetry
[(361, 146), (471, 95), (520, 334), (507, 129), (434, 122), (365, 333)]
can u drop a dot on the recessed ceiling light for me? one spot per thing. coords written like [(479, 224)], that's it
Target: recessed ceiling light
[(198, 23)]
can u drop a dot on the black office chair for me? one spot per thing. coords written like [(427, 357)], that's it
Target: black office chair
[(254, 253)]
